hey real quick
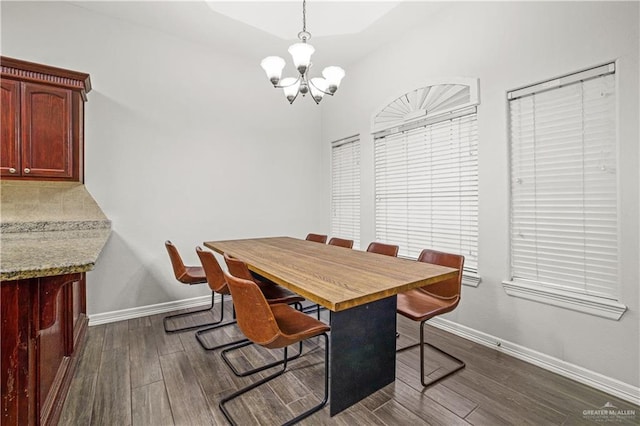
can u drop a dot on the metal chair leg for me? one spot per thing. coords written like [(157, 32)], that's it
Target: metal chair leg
[(204, 345), (460, 363), (326, 387), (313, 308), (257, 369), (185, 314), (307, 413)]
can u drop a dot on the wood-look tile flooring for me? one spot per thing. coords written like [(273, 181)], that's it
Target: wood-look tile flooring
[(133, 373)]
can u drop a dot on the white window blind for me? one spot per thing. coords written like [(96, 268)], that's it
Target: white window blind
[(564, 231), (345, 189), (426, 188)]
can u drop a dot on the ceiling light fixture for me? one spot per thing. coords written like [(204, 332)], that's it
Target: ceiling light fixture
[(301, 54)]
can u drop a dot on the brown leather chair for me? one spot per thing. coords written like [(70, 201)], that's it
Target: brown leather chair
[(187, 275), (424, 303), (218, 284), (318, 238), (273, 326), (382, 248), (335, 241), (272, 292)]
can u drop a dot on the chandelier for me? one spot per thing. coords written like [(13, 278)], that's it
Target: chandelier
[(301, 53)]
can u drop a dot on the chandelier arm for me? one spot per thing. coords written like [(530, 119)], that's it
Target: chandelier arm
[(279, 86), (295, 97), (318, 89)]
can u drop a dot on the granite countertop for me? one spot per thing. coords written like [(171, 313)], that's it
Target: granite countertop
[(48, 253), (49, 228)]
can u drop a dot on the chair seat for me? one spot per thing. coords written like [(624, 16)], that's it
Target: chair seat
[(294, 325), (276, 294), (193, 275), (418, 305)]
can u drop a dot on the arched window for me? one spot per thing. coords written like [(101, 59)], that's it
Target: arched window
[(426, 172)]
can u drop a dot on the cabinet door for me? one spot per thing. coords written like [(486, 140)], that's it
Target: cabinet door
[(47, 145), (10, 129)]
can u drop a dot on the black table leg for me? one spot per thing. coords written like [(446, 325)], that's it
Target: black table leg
[(363, 352)]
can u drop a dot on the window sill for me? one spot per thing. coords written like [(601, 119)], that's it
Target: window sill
[(593, 305), (470, 279)]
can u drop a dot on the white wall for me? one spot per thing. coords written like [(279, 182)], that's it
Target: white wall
[(182, 143), (507, 45)]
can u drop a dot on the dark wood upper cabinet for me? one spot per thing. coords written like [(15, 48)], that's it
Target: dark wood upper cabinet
[(42, 121), (10, 130), (47, 145)]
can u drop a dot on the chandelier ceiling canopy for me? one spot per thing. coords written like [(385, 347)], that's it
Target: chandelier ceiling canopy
[(302, 84)]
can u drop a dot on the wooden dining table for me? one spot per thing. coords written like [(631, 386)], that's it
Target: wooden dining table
[(359, 289)]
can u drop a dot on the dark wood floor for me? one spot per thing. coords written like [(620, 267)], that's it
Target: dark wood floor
[(133, 373)]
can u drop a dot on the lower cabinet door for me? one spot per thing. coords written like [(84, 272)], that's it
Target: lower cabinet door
[(43, 326)]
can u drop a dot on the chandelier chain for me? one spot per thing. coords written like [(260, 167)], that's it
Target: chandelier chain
[(304, 15)]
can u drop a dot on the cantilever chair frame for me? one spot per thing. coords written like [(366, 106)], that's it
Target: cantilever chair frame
[(200, 332), (178, 264), (459, 363), (246, 373), (301, 416)]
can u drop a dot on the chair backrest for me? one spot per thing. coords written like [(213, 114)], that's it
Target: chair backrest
[(382, 248), (318, 238), (179, 270), (340, 242), (213, 271), (450, 288), (237, 268), (253, 312)]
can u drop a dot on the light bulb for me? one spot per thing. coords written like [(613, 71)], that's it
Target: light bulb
[(273, 66), (301, 54), (334, 76)]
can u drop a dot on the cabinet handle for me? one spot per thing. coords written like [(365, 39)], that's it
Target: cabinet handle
[(12, 170), (27, 170)]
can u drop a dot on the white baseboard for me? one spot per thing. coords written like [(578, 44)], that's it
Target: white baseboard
[(579, 374), (143, 311)]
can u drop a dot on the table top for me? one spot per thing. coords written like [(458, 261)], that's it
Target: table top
[(337, 278)]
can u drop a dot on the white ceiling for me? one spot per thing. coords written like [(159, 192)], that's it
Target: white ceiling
[(343, 31), (324, 18)]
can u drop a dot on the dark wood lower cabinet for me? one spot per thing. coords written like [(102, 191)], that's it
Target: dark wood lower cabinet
[(43, 323)]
